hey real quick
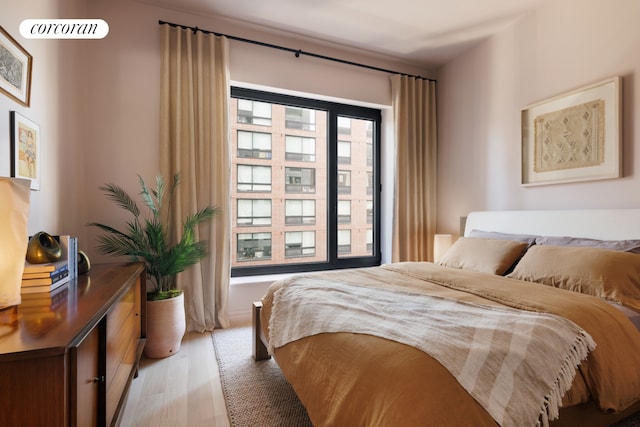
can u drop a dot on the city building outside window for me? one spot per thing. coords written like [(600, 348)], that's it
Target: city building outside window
[(300, 212), (253, 246), (255, 212), (300, 180), (253, 178), (305, 184), (254, 112), (256, 145), (300, 148), (299, 244), (344, 211)]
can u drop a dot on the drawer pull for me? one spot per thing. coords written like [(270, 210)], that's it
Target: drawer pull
[(98, 380)]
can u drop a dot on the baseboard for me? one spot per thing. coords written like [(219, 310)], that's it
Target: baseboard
[(240, 317)]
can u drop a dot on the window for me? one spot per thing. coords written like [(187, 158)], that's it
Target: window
[(319, 200), (254, 212), (300, 118), (300, 212), (299, 244), (344, 152), (344, 182), (300, 180), (254, 178), (253, 246), (256, 145), (344, 126), (254, 112), (344, 211), (344, 241), (300, 148), (369, 212)]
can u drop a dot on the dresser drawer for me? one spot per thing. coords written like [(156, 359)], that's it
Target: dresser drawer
[(123, 337), (119, 371)]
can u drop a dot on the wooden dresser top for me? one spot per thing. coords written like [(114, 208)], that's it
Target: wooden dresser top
[(48, 324)]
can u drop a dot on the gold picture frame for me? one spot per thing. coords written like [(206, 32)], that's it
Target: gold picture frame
[(573, 137), (15, 69), (26, 154)]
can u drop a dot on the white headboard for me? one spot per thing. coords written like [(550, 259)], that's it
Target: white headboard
[(605, 224)]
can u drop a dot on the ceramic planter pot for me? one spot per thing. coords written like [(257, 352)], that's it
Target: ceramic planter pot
[(166, 326)]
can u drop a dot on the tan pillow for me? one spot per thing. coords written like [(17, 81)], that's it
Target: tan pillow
[(484, 255), (605, 273)]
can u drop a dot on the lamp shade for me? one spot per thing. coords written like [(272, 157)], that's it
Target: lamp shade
[(14, 237), (441, 244)]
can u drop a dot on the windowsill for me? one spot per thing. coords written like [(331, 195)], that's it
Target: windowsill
[(266, 278)]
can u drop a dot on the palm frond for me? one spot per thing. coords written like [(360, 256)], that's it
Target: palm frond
[(116, 194), (148, 240), (147, 197)]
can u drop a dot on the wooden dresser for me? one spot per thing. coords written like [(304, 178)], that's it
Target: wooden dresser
[(67, 359)]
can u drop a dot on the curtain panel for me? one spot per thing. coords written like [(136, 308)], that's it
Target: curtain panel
[(194, 142), (414, 115)]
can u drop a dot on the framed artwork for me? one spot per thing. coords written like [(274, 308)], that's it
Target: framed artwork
[(573, 137), (25, 149), (15, 69)]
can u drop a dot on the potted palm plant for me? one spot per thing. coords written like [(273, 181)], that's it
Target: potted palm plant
[(148, 240)]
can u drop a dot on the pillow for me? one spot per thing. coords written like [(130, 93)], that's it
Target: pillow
[(484, 255), (616, 245), (605, 273), (527, 238)]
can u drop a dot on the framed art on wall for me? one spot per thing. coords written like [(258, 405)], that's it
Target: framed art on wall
[(15, 69), (573, 137), (25, 149)]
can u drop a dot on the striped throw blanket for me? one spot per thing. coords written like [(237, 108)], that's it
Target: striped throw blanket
[(516, 364)]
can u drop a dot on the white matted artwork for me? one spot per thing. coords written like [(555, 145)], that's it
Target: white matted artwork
[(573, 137), (26, 157)]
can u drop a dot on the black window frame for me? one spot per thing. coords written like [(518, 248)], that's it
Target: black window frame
[(335, 260)]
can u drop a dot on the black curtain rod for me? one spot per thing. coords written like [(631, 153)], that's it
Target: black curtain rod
[(296, 52)]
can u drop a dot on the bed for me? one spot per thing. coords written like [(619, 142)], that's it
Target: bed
[(530, 318)]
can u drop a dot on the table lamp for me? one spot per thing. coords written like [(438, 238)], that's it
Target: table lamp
[(441, 243), (14, 237)]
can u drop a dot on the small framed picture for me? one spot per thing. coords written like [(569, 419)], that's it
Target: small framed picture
[(25, 149), (15, 69)]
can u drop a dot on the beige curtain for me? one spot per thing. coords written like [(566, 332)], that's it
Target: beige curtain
[(414, 110), (194, 141)]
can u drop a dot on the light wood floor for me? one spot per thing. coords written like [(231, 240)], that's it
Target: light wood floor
[(181, 390)]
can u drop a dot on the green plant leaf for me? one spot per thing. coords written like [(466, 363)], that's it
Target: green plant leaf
[(147, 239)]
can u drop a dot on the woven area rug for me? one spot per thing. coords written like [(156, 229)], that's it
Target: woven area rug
[(256, 393)]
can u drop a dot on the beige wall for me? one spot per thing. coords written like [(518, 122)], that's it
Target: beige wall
[(56, 107), (97, 101), (565, 44), (124, 70)]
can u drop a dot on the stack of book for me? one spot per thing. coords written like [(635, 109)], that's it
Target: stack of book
[(44, 277), (52, 275), (44, 302)]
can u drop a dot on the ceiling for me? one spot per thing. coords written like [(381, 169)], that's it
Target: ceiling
[(420, 32)]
